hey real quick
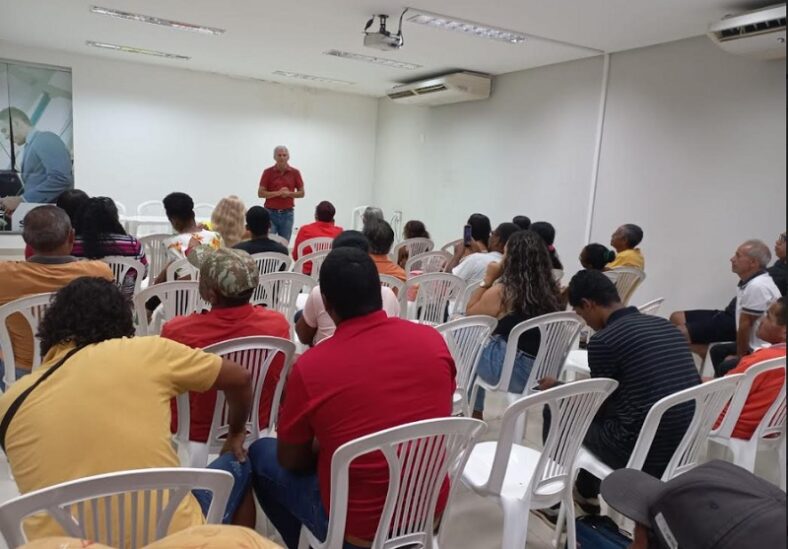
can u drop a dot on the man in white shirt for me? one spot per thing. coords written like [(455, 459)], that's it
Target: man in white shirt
[(473, 267)]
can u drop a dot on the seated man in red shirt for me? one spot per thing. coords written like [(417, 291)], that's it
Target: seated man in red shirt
[(322, 227), (374, 373), (766, 387)]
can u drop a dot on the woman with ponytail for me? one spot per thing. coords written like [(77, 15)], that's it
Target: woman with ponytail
[(596, 256)]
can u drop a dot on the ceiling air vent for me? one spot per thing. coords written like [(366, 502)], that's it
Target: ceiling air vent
[(759, 33), (442, 90)]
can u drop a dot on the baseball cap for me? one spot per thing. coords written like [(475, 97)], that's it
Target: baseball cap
[(716, 505), (232, 272)]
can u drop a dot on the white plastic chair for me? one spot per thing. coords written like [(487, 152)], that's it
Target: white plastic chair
[(396, 285), (317, 244), (256, 354), (522, 478), (357, 218), (182, 268), (203, 210), (462, 304), (316, 259), (652, 307), (151, 207), (420, 457), (32, 309), (272, 262), (121, 266), (449, 246), (627, 280), (466, 338), (146, 499), (769, 433), (156, 253), (414, 246), (428, 262), (435, 292), (279, 292), (178, 298), (121, 208)]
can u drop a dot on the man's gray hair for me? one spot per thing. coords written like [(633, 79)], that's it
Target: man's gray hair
[(46, 228), (280, 147), (759, 251), (371, 213), (380, 236)]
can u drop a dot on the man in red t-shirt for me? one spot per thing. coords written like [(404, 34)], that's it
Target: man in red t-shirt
[(323, 226), (280, 185), (373, 374)]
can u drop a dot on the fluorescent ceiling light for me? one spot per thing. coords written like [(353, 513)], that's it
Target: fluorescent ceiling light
[(469, 27), (370, 59), (311, 77), (155, 21), (130, 49)]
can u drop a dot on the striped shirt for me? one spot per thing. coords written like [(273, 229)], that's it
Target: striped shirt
[(118, 245), (650, 359)]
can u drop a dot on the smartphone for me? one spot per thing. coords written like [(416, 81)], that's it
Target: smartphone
[(466, 235)]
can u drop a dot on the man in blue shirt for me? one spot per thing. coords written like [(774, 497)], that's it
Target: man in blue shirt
[(46, 164)]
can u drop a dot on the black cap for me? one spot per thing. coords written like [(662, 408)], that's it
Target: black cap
[(716, 505)]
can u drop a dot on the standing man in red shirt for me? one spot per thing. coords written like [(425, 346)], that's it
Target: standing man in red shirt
[(374, 373), (280, 185)]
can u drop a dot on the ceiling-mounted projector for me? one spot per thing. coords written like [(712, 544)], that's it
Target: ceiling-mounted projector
[(382, 39)]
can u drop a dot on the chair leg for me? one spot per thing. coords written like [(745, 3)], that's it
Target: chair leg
[(571, 535), (559, 525), (515, 524), (781, 461)]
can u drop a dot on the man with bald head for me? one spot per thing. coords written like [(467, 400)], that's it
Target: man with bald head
[(280, 185), (48, 232)]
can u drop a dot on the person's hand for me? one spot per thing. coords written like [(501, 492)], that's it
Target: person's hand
[(235, 444), (731, 357), (10, 203), (284, 193), (493, 273), (547, 383)]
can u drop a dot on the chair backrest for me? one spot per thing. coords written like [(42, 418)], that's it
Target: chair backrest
[(466, 338), (317, 244), (572, 408), (272, 262), (256, 354), (627, 280), (156, 252), (276, 238), (279, 292), (449, 246), (182, 268), (414, 246), (316, 259), (462, 304), (392, 282), (151, 207), (428, 262), (709, 400), (420, 457), (203, 210), (178, 298), (652, 307), (138, 505), (120, 207), (121, 266), (435, 291), (770, 423), (32, 309), (357, 218)]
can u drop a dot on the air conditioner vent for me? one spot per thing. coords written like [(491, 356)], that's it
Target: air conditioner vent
[(442, 90), (759, 33)]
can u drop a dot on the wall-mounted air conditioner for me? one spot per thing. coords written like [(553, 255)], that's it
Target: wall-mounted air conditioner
[(759, 33), (442, 90)]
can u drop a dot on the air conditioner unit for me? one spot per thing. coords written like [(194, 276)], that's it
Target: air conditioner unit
[(759, 33), (442, 90)]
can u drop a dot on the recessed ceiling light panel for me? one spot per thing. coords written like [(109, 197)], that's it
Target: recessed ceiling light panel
[(371, 59), (311, 78), (468, 27), (128, 16), (131, 49)]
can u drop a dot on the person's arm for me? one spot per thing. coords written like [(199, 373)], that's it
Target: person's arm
[(305, 332), (298, 192), (262, 189), (746, 325), (53, 156), (236, 382), (296, 443), (487, 299)]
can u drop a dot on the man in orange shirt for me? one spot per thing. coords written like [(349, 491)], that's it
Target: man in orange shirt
[(279, 185), (766, 387), (48, 232), (381, 237), (323, 226)]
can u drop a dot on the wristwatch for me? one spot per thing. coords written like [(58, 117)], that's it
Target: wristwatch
[(483, 285)]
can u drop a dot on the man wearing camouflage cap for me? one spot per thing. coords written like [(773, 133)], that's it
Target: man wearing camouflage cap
[(227, 280)]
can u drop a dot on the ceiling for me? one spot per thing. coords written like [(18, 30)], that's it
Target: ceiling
[(264, 36)]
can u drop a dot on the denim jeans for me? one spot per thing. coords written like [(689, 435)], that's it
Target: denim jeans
[(281, 223), (242, 478), (288, 499), (491, 364), (19, 373)]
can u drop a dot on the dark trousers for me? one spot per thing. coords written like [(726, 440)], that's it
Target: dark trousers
[(718, 354)]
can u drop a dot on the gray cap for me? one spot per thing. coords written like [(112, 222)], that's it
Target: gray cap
[(716, 505)]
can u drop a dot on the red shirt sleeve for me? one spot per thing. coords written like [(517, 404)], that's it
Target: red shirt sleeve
[(294, 426), (299, 183), (264, 180)]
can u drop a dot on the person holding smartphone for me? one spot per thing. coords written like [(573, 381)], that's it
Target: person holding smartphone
[(472, 267)]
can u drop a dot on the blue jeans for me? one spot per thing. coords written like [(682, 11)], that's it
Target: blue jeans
[(288, 499), (242, 478), (281, 222), (491, 364), (19, 373)]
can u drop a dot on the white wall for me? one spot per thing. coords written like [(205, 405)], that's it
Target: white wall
[(141, 131), (693, 150)]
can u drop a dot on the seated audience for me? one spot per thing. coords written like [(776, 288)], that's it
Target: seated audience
[(625, 240), (227, 219), (316, 324), (766, 387), (479, 242), (547, 233), (108, 394), (518, 288), (333, 396), (650, 360), (704, 326), (70, 201), (381, 237), (522, 221), (370, 215), (323, 226), (412, 229), (596, 257), (779, 271), (258, 221), (473, 267), (48, 232), (101, 235)]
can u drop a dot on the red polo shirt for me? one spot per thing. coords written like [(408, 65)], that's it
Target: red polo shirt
[(373, 374), (314, 230), (199, 330), (274, 180)]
